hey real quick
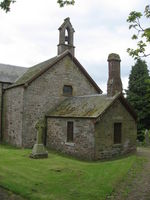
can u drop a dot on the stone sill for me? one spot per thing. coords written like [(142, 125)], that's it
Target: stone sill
[(70, 144), (117, 145), (67, 95)]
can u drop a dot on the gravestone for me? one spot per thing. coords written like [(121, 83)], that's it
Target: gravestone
[(38, 150), (147, 139)]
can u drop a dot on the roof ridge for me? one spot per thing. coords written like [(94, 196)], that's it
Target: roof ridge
[(10, 73), (9, 65), (91, 107), (30, 71), (32, 74)]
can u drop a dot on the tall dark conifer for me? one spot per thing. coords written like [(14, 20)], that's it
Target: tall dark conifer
[(138, 94)]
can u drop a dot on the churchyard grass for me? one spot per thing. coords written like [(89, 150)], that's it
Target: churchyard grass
[(61, 177)]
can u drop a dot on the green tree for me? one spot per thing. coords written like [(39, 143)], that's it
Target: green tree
[(139, 96), (142, 34), (5, 4), (62, 3)]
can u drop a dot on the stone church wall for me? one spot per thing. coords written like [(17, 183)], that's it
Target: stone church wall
[(1, 88), (13, 113), (83, 142), (104, 135), (46, 92)]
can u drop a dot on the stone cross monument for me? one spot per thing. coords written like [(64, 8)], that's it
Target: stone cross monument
[(147, 139), (38, 149)]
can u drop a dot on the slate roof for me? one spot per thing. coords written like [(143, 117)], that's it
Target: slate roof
[(91, 106), (10, 73), (82, 106), (34, 72), (30, 73)]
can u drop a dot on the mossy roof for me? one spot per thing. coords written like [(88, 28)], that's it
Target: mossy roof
[(34, 72), (30, 73), (90, 106), (10, 73)]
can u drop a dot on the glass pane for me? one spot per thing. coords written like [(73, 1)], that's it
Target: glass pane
[(67, 90), (69, 131), (117, 133)]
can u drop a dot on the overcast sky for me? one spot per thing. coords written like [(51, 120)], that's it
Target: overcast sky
[(29, 33)]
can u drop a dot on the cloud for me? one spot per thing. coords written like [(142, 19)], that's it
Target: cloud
[(29, 34)]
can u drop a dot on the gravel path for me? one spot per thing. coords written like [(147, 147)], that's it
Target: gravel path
[(137, 188), (6, 195), (141, 185)]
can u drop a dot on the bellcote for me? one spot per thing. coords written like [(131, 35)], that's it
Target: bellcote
[(66, 33)]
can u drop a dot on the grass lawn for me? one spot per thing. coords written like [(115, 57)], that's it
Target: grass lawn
[(60, 177)]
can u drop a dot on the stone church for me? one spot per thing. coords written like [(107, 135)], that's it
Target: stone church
[(79, 120)]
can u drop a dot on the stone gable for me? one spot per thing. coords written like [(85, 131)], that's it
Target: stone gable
[(13, 116), (42, 95), (104, 132), (93, 139)]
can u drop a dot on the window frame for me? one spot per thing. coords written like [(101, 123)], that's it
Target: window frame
[(117, 133), (70, 135), (68, 94)]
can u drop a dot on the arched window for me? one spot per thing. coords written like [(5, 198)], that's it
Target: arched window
[(67, 36)]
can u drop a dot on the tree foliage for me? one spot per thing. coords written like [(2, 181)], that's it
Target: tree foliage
[(142, 33), (5, 4), (62, 3), (138, 94)]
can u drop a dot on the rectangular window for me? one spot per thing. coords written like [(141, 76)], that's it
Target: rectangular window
[(67, 90), (117, 133), (69, 131)]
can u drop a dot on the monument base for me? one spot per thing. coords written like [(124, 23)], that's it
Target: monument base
[(39, 152)]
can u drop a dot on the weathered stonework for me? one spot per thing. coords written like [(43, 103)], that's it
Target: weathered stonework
[(93, 139), (114, 84), (83, 142), (66, 32), (25, 106), (13, 116), (38, 150), (2, 87), (104, 132)]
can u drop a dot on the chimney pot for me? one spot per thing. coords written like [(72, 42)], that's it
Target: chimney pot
[(114, 84), (113, 56)]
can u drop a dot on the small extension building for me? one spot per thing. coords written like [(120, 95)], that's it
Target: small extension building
[(79, 120)]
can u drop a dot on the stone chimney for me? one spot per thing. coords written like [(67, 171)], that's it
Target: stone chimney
[(114, 84), (66, 33)]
